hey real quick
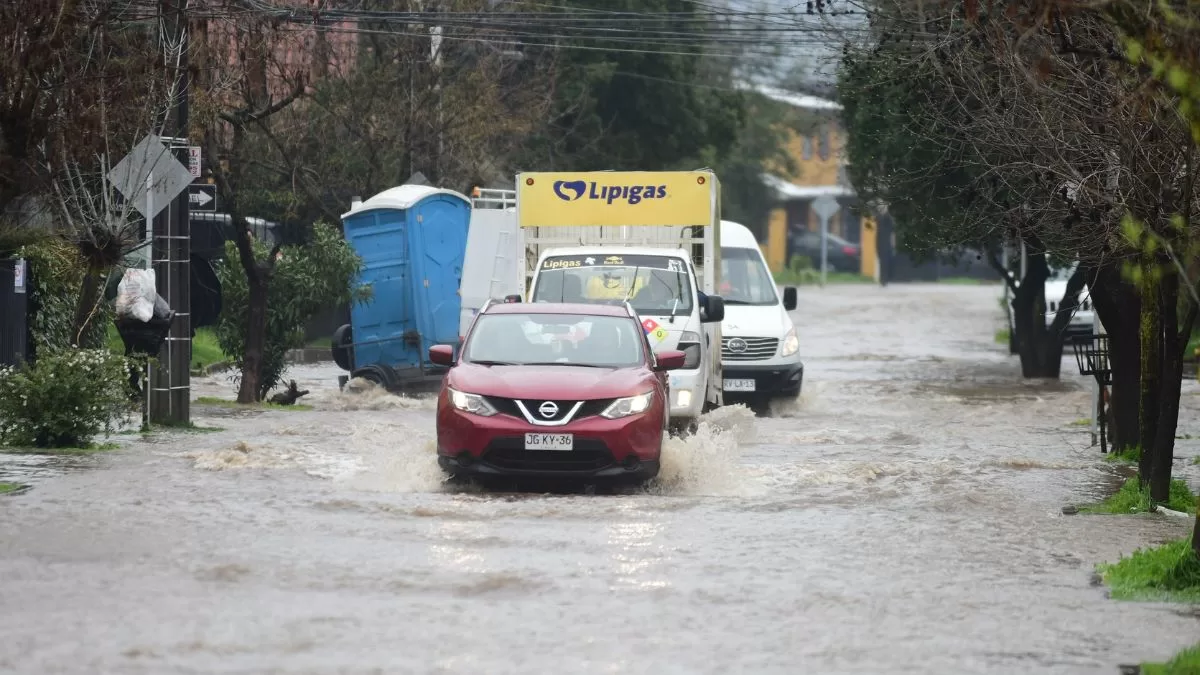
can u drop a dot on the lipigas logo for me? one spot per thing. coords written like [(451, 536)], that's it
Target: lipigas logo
[(575, 187), (574, 190)]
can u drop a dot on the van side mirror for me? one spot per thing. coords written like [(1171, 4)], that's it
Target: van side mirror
[(442, 355), (715, 310), (789, 298)]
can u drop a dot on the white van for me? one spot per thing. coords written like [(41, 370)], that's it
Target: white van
[(660, 284), (760, 351)]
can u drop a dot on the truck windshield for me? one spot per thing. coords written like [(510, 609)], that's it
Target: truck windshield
[(654, 285), (744, 279), (555, 339)]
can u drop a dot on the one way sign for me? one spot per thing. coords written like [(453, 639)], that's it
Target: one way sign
[(202, 198)]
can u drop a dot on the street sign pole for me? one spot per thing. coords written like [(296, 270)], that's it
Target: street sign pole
[(172, 242), (825, 206)]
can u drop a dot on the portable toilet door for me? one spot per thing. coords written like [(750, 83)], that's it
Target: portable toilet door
[(438, 225), (378, 234)]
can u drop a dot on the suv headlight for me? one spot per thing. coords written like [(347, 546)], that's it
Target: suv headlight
[(791, 343), (624, 407), (472, 403)]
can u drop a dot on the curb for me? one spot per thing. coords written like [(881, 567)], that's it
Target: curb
[(309, 355)]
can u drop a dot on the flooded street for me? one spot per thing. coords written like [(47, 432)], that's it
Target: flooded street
[(903, 516)]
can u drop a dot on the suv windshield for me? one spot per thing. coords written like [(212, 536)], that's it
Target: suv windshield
[(653, 284), (744, 279), (551, 339)]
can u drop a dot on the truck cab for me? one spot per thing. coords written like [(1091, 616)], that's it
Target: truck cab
[(662, 287), (760, 350)]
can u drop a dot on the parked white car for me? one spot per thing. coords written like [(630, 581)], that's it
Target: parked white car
[(1056, 287)]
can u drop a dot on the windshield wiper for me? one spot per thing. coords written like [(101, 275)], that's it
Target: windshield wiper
[(492, 363), (737, 302)]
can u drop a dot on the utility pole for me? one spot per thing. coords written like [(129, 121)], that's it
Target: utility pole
[(170, 396)]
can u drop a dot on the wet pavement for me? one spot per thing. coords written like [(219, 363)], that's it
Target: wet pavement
[(902, 516)]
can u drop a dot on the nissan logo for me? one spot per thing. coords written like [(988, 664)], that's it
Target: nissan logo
[(737, 345), (548, 409)]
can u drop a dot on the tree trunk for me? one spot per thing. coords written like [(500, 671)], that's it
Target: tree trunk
[(1150, 329), (1029, 325), (1196, 531), (1170, 382), (256, 333), (89, 293), (1117, 304)]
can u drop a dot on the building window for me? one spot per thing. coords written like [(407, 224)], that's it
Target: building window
[(823, 144), (807, 148)]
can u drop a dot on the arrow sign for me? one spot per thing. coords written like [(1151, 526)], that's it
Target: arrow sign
[(202, 198)]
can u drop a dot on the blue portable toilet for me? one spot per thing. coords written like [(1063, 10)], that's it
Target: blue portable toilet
[(412, 240)]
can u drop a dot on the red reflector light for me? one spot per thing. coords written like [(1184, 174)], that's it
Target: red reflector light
[(849, 250)]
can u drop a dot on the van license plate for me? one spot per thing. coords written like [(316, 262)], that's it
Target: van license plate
[(739, 385), (549, 441)]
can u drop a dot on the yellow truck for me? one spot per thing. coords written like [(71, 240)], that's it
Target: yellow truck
[(649, 238)]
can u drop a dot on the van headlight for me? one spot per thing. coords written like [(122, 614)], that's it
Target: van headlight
[(631, 405), (471, 403), (791, 343), (689, 344)]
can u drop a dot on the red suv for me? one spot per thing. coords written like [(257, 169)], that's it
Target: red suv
[(553, 390)]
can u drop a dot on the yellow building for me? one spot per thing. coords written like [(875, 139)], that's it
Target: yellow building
[(820, 170)]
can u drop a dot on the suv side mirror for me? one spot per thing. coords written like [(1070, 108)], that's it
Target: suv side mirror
[(670, 359), (789, 298), (715, 311), (442, 355)]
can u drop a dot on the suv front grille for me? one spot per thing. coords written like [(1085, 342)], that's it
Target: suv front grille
[(757, 348), (589, 408)]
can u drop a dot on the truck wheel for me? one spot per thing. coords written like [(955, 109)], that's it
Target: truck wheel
[(379, 374), (343, 353)]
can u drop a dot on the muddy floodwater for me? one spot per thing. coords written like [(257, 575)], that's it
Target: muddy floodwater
[(902, 516)]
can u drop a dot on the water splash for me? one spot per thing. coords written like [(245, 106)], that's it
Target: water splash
[(707, 461), (360, 394)]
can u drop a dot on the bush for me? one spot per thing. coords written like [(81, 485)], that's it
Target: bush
[(307, 279), (56, 275), (63, 400)]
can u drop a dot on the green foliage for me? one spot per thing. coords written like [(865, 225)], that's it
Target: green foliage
[(1167, 572), (305, 280), (1129, 455), (56, 272), (891, 113), (622, 108), (1186, 662), (1133, 498), (65, 399)]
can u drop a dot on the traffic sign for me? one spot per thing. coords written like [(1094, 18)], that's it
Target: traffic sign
[(194, 160), (825, 206), (150, 176), (202, 198)]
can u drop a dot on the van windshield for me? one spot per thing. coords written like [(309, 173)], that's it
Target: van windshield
[(654, 284), (744, 278)]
